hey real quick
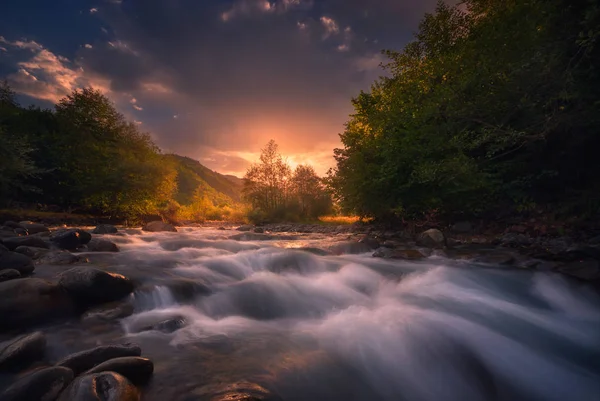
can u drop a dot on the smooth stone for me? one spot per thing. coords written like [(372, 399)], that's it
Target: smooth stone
[(588, 270), (71, 239), (349, 247), (85, 360), (108, 312), (105, 229), (137, 369), (248, 236), (9, 274), (42, 385), (245, 227), (259, 230), (105, 386), (159, 226), (14, 225), (22, 351), (496, 259), (370, 242), (59, 258), (15, 242), (432, 238), (12, 260), (92, 286), (32, 251), (34, 228), (102, 245)]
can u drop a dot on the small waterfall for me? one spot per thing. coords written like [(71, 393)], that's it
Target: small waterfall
[(160, 297)]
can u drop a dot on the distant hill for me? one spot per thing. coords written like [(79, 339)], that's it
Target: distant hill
[(193, 176)]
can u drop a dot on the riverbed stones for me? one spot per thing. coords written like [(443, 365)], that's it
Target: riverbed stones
[(349, 247), (34, 228), (90, 286), (588, 269), (159, 226), (136, 369), (22, 351), (28, 301), (9, 274), (71, 239), (85, 360), (496, 258), (12, 260), (105, 229), (432, 238), (245, 227), (241, 391), (58, 258), (41, 385), (31, 240), (248, 236), (403, 254), (32, 251), (108, 312), (105, 386), (102, 245)]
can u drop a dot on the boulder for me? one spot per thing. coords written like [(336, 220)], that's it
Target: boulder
[(165, 326), (259, 230), (108, 312), (85, 360), (28, 301), (59, 258), (102, 245), (370, 242), (34, 228), (12, 260), (158, 226), (14, 225), (137, 369), (32, 251), (71, 239), (21, 232), (30, 240), (22, 351), (9, 274), (245, 227), (105, 386), (105, 229), (90, 286), (432, 238), (41, 385)]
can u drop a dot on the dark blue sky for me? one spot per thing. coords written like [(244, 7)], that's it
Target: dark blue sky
[(210, 79)]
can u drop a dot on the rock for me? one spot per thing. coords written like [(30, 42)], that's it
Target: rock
[(349, 247), (166, 326), (32, 251), (391, 244), (15, 242), (245, 227), (520, 229), (28, 301), (588, 270), (496, 259), (12, 260), (59, 258), (105, 386), (406, 254), (91, 286), (259, 230), (462, 227), (158, 226), (85, 360), (513, 240), (432, 238), (14, 225), (71, 239), (251, 237), (370, 242), (108, 312), (221, 228), (21, 232), (22, 351), (34, 228), (576, 253), (314, 251), (241, 391), (105, 229), (102, 245), (137, 369), (42, 385), (9, 274)]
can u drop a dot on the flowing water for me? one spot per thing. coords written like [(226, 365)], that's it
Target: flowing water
[(276, 315)]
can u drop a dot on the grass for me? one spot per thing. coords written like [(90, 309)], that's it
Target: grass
[(338, 220)]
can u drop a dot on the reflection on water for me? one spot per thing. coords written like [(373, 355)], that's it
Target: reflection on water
[(213, 313)]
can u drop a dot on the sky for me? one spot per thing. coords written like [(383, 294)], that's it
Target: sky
[(214, 80)]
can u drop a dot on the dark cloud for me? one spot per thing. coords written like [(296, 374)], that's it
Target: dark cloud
[(217, 79)]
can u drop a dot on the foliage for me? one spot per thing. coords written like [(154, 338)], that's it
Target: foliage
[(278, 194), (492, 106)]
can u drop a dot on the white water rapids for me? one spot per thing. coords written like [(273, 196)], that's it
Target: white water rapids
[(350, 327)]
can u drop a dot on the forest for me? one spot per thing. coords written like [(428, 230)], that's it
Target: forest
[(492, 109)]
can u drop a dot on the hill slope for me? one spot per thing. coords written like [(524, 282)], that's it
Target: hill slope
[(195, 179)]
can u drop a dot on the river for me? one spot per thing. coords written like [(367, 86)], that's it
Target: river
[(266, 315)]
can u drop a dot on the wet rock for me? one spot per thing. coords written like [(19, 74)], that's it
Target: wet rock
[(588, 270), (71, 239), (370, 242), (105, 386), (31, 251), (91, 286), (22, 351), (14, 225), (108, 312), (405, 254), (9, 274), (314, 251), (59, 258), (462, 227), (102, 245), (349, 247), (159, 226), (165, 326), (34, 228), (136, 369), (432, 238), (12, 260), (221, 228), (184, 290), (245, 227), (259, 230), (85, 360), (42, 385), (496, 259), (241, 391), (251, 237), (391, 244), (514, 240), (105, 229), (29, 301), (15, 242), (21, 232)]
